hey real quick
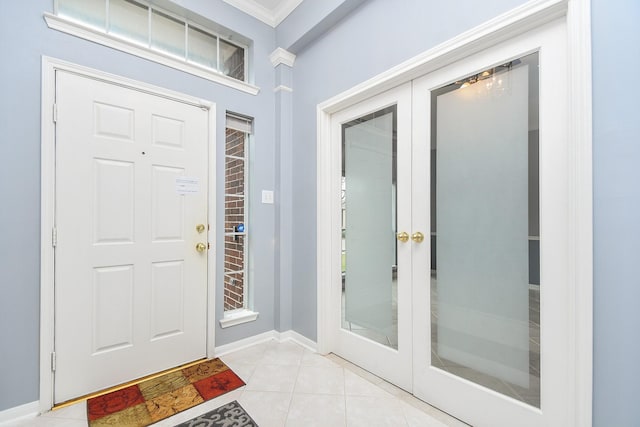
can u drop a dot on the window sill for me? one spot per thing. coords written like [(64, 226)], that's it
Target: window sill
[(75, 29), (238, 317)]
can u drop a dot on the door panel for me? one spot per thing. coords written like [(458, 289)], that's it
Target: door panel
[(130, 287), (371, 301), (489, 349)]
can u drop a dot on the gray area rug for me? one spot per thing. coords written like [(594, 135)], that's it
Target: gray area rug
[(229, 415)]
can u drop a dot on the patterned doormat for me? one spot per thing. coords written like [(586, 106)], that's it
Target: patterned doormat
[(229, 415), (158, 398)]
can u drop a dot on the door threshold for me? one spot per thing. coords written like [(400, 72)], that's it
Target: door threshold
[(125, 385)]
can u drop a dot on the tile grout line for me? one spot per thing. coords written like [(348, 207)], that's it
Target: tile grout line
[(293, 389)]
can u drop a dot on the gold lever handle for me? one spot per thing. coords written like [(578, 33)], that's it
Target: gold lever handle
[(403, 236), (201, 247), (417, 237), (200, 228)]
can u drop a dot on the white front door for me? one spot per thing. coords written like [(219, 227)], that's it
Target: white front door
[(473, 318), (131, 187)]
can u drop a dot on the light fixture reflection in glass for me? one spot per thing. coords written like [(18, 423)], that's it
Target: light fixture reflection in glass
[(495, 80)]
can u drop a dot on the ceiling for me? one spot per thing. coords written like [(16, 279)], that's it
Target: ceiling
[(271, 12)]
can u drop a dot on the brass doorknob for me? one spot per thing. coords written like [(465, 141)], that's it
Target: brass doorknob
[(200, 228), (201, 247), (403, 236), (417, 237)]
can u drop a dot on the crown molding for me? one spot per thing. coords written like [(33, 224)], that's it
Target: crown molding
[(271, 17), (282, 56), (284, 8)]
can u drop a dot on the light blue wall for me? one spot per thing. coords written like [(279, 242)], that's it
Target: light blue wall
[(616, 170), (373, 38), (381, 34), (309, 20), (24, 38)]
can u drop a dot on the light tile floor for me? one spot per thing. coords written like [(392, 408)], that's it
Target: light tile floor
[(288, 385)]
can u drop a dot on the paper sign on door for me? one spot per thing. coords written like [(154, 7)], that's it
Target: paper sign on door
[(187, 185)]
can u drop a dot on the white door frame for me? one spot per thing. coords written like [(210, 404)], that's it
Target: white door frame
[(47, 206), (532, 14)]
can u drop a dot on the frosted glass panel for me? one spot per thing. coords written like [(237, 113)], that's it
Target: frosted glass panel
[(202, 48), (369, 244), (484, 203), (231, 60), (167, 34), (91, 12), (129, 20)]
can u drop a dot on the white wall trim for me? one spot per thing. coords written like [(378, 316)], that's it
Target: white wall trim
[(272, 17), (47, 211), (299, 339), (283, 10), (19, 413), (282, 88), (47, 218), (246, 342), (282, 56), (238, 318), (581, 143), (70, 27), (530, 15), (266, 337)]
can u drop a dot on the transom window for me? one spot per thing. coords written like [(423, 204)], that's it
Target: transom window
[(162, 31)]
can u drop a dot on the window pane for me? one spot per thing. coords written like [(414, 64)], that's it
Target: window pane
[(167, 34), (90, 12), (234, 253), (485, 302), (235, 217), (235, 143), (231, 60), (233, 291), (233, 214), (202, 48), (129, 20), (234, 182), (370, 286)]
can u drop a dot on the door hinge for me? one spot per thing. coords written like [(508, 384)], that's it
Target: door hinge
[(55, 113), (54, 237), (53, 361)]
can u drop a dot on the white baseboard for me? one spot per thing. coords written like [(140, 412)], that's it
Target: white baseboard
[(246, 342), (19, 413), (299, 339), (264, 337)]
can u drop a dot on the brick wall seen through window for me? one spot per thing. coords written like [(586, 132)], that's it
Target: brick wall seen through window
[(235, 221)]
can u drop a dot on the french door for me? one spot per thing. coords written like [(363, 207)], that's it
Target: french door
[(453, 241), (372, 296)]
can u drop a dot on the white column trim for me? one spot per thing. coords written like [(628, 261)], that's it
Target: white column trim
[(282, 56), (282, 88)]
